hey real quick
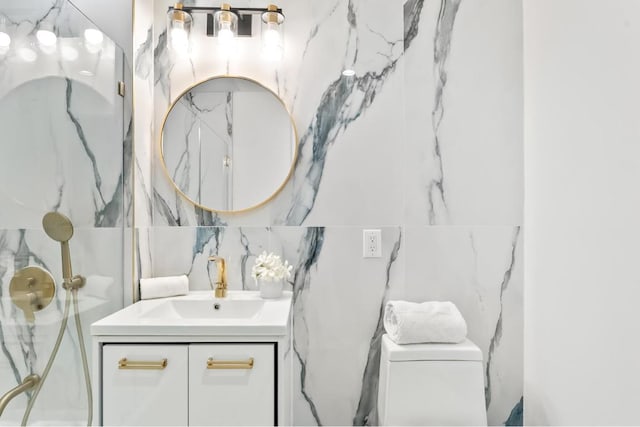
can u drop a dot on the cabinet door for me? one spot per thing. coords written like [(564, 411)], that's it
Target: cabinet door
[(141, 391), (232, 384)]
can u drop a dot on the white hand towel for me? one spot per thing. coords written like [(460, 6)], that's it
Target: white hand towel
[(160, 287), (427, 322)]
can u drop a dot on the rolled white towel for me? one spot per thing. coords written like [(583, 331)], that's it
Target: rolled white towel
[(160, 287), (427, 322)]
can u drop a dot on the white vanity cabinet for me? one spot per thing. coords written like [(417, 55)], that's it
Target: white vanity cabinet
[(190, 384), (145, 385), (153, 369), (232, 384)]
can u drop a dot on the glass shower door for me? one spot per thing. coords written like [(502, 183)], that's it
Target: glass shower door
[(63, 146)]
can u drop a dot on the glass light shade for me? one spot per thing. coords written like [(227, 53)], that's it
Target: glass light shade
[(272, 33), (225, 25), (179, 29)]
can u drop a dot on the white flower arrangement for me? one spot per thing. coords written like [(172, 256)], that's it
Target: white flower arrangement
[(269, 267)]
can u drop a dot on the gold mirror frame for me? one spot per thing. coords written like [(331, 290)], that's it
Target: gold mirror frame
[(207, 208)]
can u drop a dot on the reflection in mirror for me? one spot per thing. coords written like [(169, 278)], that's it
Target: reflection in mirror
[(228, 144)]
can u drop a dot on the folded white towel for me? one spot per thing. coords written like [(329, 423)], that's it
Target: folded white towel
[(159, 287), (433, 321)]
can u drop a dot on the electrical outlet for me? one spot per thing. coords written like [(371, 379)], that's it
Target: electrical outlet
[(371, 244)]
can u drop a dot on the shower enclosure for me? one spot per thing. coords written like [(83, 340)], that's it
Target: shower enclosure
[(65, 147)]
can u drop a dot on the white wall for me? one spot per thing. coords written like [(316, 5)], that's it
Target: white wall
[(582, 212)]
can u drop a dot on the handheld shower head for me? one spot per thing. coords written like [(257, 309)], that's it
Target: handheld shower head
[(57, 226), (60, 229)]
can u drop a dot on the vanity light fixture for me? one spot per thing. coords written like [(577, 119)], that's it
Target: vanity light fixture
[(179, 28), (227, 23)]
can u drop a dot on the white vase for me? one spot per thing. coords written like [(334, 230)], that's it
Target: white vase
[(270, 289)]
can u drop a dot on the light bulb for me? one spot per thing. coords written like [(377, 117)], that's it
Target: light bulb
[(179, 40), (46, 38), (69, 53), (348, 72), (272, 44), (5, 40), (225, 34), (272, 37)]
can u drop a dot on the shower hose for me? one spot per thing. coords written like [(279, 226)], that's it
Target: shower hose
[(56, 347)]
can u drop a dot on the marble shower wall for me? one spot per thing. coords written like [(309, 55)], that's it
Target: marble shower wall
[(66, 146), (424, 142)]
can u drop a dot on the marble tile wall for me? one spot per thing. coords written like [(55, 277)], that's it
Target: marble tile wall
[(65, 146), (424, 142)]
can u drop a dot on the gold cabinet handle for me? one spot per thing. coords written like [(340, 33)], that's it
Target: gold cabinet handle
[(134, 364), (229, 364)]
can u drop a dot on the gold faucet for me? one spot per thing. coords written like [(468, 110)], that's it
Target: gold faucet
[(221, 283)]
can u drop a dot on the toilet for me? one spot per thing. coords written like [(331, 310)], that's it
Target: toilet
[(431, 384)]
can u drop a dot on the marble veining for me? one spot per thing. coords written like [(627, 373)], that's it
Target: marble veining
[(463, 261), (107, 212), (516, 417), (343, 102), (3, 342), (75, 134), (309, 252), (497, 335), (367, 412), (126, 182), (244, 257), (442, 48), (27, 347), (162, 208), (316, 27), (412, 12), (143, 66)]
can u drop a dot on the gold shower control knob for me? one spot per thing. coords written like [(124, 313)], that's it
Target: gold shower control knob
[(32, 289)]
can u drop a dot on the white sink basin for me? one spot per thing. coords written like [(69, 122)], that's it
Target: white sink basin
[(200, 314), (205, 309)]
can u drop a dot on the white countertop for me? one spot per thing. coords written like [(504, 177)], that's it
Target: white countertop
[(271, 317)]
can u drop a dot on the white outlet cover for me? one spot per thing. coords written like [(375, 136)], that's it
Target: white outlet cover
[(372, 243)]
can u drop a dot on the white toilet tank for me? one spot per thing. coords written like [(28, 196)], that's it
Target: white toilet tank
[(431, 384)]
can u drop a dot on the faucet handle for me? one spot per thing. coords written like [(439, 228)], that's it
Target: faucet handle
[(219, 260), (221, 282)]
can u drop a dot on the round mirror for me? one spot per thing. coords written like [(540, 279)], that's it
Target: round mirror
[(228, 144)]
